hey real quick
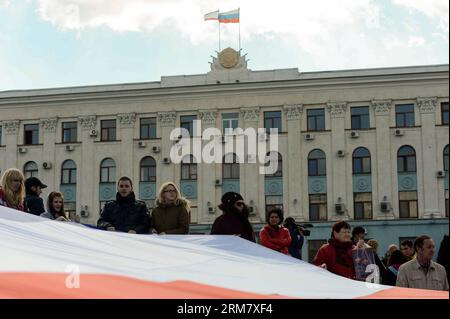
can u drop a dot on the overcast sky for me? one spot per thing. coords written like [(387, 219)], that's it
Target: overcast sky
[(57, 43)]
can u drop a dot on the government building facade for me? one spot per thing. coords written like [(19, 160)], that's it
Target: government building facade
[(369, 146)]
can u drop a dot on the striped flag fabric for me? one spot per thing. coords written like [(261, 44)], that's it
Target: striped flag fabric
[(229, 16), (212, 16), (42, 258)]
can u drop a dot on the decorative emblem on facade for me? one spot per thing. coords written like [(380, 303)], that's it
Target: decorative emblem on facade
[(427, 104), (317, 186), (407, 183), (167, 118), (88, 122), (49, 125), (362, 184), (293, 112), (250, 114), (208, 117), (382, 107), (337, 109), (228, 58), (127, 120), (11, 127)]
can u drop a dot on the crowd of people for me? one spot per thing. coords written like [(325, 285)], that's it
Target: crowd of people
[(410, 266)]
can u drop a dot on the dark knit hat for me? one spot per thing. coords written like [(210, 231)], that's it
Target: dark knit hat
[(229, 198)]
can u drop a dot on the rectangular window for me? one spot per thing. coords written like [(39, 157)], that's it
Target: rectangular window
[(108, 130), (69, 132), (148, 128), (408, 204), (107, 175), (69, 176), (317, 207), (187, 122), (404, 115), (446, 203), (230, 122), (444, 113), (362, 205), (272, 120), (313, 247), (361, 165), (0, 135), (317, 167), (360, 117), (316, 119), (31, 134), (274, 202)]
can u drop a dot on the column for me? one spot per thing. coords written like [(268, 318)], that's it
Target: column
[(88, 172), (126, 165), (381, 165), (251, 181), (429, 186), (166, 172), (339, 191), (49, 176), (206, 177), (292, 177), (10, 136)]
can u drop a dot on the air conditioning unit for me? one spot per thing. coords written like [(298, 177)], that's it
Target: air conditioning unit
[(340, 153), (70, 148), (84, 213), (47, 165), (339, 208), (309, 137), (93, 133), (211, 210), (156, 149), (251, 211), (354, 134), (22, 150), (440, 174), (142, 144), (166, 160), (385, 207), (399, 132), (218, 182)]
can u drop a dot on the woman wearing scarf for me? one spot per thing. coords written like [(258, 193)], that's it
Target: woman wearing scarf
[(274, 235), (336, 256)]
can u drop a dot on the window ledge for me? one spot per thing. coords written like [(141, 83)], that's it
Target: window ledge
[(147, 139), (29, 145), (405, 127), (66, 143), (112, 141)]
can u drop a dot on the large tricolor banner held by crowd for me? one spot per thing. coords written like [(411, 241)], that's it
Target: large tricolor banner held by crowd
[(41, 258)]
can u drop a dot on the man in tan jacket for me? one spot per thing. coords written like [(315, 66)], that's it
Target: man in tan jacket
[(422, 272)]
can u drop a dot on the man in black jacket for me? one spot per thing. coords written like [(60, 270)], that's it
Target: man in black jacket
[(125, 214), (33, 203)]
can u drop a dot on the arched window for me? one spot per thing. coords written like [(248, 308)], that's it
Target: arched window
[(317, 163), (272, 157), (361, 161), (230, 167), (406, 159), (69, 172), (148, 169), (446, 158), (30, 169), (108, 171), (188, 168)]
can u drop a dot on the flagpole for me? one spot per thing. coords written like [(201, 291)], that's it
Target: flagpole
[(239, 14), (218, 21)]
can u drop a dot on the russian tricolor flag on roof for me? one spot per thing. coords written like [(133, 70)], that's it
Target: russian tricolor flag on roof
[(229, 17)]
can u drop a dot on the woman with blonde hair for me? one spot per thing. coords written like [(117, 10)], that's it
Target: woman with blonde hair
[(171, 214), (12, 189), (55, 208)]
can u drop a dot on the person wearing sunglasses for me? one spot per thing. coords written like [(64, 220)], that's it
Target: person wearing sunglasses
[(234, 220), (171, 214), (126, 213), (274, 235), (12, 189)]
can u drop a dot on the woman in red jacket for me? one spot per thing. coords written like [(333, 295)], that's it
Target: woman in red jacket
[(274, 235), (336, 256)]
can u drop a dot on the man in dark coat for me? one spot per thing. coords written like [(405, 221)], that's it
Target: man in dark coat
[(125, 214), (234, 220), (443, 255), (33, 203)]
